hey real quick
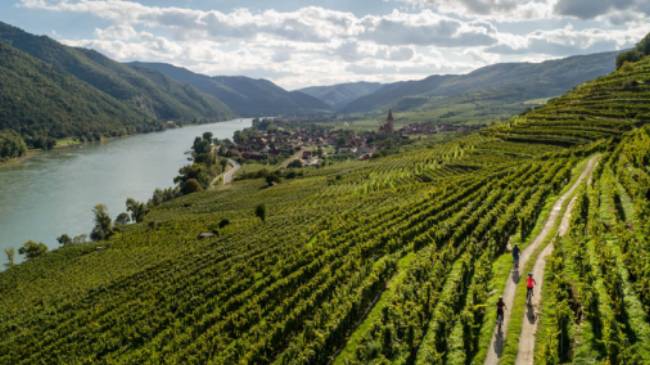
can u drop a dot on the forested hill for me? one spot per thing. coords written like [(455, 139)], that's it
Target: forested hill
[(37, 100), (504, 83), (56, 91), (398, 259), (244, 95)]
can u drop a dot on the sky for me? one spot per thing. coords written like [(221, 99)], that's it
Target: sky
[(299, 43)]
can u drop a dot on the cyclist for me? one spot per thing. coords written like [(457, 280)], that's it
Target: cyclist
[(500, 308), (515, 256), (530, 284)]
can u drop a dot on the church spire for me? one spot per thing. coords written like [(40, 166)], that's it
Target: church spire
[(388, 126)]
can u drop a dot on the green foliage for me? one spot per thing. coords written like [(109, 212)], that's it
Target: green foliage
[(390, 260), (11, 145), (103, 228), (10, 252), (190, 186), (641, 50), (64, 239), (260, 212), (50, 91), (122, 219), (32, 249), (137, 209)]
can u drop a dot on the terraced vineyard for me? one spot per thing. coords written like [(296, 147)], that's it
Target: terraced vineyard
[(394, 260), (598, 293)]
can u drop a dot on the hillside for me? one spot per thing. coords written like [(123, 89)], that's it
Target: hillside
[(510, 84), (339, 95), (161, 99), (244, 95), (396, 259), (38, 100)]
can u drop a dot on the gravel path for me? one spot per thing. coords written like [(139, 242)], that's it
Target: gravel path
[(526, 348), (498, 339), (227, 176)]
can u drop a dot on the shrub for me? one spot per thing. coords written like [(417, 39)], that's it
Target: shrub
[(64, 239), (260, 212), (103, 224), (295, 164), (122, 219), (191, 186), (32, 249)]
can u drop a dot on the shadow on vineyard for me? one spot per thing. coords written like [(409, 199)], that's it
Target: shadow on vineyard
[(398, 259)]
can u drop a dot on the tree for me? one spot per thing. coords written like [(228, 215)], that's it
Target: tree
[(272, 179), (79, 238), (11, 256), (629, 56), (103, 224), (195, 171), (64, 239), (191, 186), (122, 219), (260, 212), (138, 210), (295, 164), (642, 49), (11, 144), (32, 249)]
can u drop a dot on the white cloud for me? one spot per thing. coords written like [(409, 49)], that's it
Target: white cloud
[(315, 45), (569, 41)]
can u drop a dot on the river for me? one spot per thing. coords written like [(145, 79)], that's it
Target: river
[(54, 192)]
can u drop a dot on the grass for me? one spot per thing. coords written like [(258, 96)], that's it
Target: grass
[(67, 142)]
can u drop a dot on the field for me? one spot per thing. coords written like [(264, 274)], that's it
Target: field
[(399, 259)]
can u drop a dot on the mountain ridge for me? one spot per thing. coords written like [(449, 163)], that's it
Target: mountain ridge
[(549, 78), (245, 95)]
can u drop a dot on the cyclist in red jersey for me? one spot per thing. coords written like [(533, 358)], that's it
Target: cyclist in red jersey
[(530, 285)]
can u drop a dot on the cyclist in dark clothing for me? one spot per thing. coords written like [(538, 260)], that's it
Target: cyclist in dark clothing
[(500, 310), (515, 256)]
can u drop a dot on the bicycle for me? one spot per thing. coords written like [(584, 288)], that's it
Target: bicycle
[(499, 321), (529, 296)]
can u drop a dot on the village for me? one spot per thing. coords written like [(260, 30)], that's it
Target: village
[(276, 141)]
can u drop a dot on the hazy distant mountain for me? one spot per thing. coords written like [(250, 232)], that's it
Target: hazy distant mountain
[(339, 95), (244, 95), (155, 96), (506, 81)]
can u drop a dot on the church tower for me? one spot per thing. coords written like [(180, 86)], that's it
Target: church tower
[(388, 127)]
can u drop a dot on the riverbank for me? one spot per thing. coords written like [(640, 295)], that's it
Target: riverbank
[(54, 192), (71, 142), (18, 160)]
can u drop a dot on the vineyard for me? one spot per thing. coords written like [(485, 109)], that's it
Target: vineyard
[(399, 259)]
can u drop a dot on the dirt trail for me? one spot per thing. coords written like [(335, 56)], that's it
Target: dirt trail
[(227, 176), (498, 339), (526, 347)]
